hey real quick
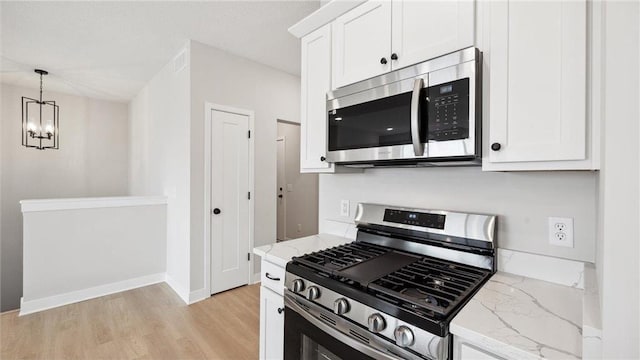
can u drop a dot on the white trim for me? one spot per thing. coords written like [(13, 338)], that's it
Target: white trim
[(90, 203), (256, 278), (35, 305), (181, 291), (208, 108), (284, 189), (198, 295), (324, 15)]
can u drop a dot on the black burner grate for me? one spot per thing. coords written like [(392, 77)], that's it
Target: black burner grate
[(430, 285), (423, 285), (340, 257)]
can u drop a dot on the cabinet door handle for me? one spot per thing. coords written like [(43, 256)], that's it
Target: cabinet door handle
[(271, 277), (280, 310), (322, 158), (383, 61), (394, 56), (496, 146)]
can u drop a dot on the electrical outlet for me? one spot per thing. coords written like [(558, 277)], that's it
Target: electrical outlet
[(344, 208), (561, 231)]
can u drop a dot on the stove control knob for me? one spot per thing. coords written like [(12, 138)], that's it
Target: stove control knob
[(298, 285), (341, 306), (313, 293), (404, 336), (376, 323)]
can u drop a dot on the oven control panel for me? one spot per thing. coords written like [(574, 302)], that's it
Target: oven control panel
[(434, 221), (448, 110)]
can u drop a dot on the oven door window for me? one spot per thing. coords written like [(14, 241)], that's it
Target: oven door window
[(303, 340), (382, 122), (310, 349)]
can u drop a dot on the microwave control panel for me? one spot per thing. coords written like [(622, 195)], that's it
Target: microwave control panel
[(448, 111)]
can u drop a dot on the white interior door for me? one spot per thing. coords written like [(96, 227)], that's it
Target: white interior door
[(230, 217), (281, 232)]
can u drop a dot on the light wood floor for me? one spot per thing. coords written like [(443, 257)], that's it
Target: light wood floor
[(146, 323)]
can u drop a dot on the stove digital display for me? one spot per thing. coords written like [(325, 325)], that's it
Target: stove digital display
[(434, 221)]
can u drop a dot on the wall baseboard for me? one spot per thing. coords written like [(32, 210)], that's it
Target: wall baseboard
[(255, 278), (182, 292), (35, 305), (198, 295)]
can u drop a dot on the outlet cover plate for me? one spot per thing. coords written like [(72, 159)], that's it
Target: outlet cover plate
[(560, 231), (344, 207)]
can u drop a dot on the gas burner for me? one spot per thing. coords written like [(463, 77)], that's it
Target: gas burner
[(420, 295)]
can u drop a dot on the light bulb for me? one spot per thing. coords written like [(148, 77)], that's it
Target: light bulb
[(31, 126), (49, 129)]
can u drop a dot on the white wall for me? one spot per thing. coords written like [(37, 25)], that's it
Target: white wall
[(618, 244), (91, 161), (160, 140), (522, 200), (221, 78), (302, 201), (83, 248)]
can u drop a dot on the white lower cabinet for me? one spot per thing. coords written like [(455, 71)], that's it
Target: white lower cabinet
[(271, 312), (463, 350)]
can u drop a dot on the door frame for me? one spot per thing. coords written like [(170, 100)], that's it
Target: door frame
[(208, 109), (284, 189)]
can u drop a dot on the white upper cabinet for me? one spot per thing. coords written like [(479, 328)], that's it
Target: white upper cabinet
[(361, 43), (537, 60), (380, 36), (422, 30), (315, 83)]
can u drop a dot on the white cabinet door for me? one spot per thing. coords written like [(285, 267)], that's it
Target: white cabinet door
[(422, 30), (537, 61), (315, 82), (361, 40), (271, 325)]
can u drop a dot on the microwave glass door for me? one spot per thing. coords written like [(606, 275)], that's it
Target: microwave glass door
[(377, 123)]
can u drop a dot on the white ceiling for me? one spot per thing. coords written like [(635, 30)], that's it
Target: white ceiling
[(110, 50)]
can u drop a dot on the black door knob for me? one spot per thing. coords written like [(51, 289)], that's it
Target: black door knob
[(495, 146), (216, 211), (322, 158), (394, 56), (280, 310), (280, 196), (383, 61)]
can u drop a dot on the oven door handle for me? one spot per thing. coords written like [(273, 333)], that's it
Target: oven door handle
[(418, 146), (343, 338)]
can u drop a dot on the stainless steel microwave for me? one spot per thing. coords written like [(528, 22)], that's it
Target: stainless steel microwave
[(426, 114)]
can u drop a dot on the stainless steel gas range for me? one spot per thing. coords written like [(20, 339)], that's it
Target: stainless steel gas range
[(392, 292)]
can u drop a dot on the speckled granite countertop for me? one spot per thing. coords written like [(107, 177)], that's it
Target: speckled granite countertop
[(523, 318)]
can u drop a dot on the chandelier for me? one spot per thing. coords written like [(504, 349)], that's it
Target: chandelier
[(40, 121)]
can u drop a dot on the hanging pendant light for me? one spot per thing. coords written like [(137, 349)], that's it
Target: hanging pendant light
[(40, 121)]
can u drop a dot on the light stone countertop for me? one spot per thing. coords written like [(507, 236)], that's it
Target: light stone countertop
[(281, 253), (522, 318)]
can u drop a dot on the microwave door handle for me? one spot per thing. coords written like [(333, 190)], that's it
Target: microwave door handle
[(418, 147)]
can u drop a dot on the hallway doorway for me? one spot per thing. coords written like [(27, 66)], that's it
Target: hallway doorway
[(296, 193)]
